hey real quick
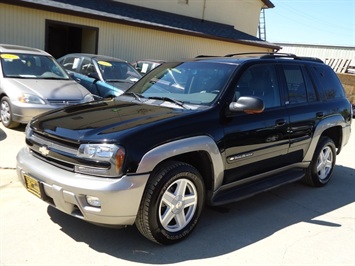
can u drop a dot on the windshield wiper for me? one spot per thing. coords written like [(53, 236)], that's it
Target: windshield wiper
[(136, 95), (168, 100)]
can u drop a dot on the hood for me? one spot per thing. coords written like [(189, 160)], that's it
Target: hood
[(104, 120), (49, 88)]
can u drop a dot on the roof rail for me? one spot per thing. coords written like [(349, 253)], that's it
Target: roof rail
[(308, 58), (293, 56), (266, 55), (249, 53), (203, 55), (279, 55)]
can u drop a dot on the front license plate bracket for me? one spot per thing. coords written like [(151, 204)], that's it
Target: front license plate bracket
[(34, 186)]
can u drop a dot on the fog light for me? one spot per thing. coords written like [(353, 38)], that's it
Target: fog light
[(93, 201)]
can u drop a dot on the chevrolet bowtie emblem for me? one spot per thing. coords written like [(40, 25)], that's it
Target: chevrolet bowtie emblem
[(44, 150)]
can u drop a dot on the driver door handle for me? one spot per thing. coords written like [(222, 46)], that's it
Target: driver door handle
[(280, 122)]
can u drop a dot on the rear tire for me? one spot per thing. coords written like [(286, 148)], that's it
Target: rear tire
[(321, 168), (6, 113), (171, 204)]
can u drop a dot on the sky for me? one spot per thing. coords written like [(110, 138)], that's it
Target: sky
[(319, 22)]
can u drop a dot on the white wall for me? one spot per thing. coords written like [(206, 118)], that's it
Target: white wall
[(243, 15), (25, 26), (321, 51)]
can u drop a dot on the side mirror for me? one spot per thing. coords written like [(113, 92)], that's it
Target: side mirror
[(247, 104), (70, 74), (93, 75)]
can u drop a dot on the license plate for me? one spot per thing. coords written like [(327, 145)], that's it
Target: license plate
[(33, 186)]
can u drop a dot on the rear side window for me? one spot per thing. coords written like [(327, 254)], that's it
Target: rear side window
[(329, 82), (299, 87)]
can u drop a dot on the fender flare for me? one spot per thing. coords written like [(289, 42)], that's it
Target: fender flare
[(199, 143), (322, 126)]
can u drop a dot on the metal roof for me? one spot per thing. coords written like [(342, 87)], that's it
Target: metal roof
[(145, 17)]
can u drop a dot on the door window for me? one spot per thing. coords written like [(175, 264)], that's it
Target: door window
[(260, 81), (70, 63), (299, 87), (87, 67)]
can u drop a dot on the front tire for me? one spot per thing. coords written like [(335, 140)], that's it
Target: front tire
[(171, 204), (321, 168), (6, 113)]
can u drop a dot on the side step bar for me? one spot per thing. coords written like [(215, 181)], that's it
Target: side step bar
[(239, 192)]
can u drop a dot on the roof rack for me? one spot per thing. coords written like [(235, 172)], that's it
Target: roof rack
[(249, 53), (293, 56), (308, 58), (278, 55), (203, 55)]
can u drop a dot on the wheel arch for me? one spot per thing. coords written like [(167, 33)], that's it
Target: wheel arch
[(2, 95), (335, 134), (200, 152), (331, 127)]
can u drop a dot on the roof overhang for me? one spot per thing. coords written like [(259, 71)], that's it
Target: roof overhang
[(267, 4)]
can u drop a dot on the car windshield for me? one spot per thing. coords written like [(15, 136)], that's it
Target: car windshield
[(31, 66), (195, 83), (116, 71)]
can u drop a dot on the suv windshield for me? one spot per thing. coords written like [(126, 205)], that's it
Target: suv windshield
[(31, 66), (189, 82)]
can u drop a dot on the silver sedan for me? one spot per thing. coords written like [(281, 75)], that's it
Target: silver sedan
[(32, 82)]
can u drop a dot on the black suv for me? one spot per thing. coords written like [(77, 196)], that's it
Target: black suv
[(201, 131)]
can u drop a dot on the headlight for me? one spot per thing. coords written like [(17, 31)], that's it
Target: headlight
[(88, 98), (101, 153), (28, 131), (29, 98)]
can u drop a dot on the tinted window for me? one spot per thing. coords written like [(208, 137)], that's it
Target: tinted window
[(299, 86), (330, 83), (260, 81), (311, 92)]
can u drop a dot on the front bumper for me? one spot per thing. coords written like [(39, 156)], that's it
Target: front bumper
[(120, 197)]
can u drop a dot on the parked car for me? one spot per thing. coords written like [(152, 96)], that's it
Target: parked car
[(145, 65), (154, 156), (32, 82), (103, 76)]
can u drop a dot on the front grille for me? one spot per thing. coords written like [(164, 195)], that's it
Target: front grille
[(52, 161), (61, 153), (56, 152), (63, 102), (66, 147)]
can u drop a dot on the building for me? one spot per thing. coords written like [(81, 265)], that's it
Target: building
[(340, 58), (135, 29)]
